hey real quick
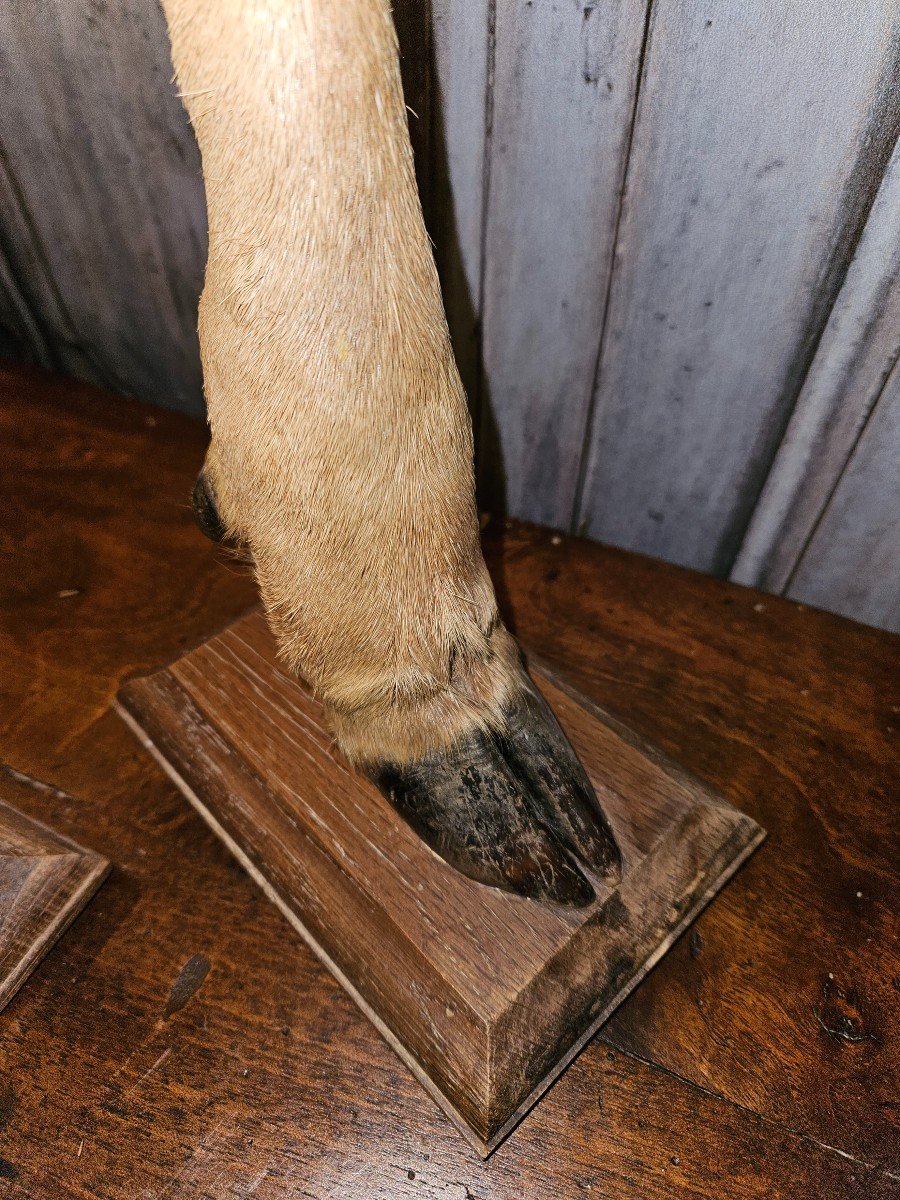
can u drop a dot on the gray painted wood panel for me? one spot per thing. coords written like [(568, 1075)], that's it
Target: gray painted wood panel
[(761, 136), (852, 562), (103, 206), (674, 306), (462, 45), (856, 355), (564, 82)]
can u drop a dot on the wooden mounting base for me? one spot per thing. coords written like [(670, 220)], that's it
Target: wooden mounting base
[(45, 881), (485, 996)]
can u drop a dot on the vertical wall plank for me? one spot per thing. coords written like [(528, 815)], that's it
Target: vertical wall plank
[(102, 195), (696, 370), (563, 100), (462, 48), (762, 134), (852, 562), (856, 355)]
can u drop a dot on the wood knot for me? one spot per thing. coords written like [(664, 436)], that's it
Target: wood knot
[(839, 1013)]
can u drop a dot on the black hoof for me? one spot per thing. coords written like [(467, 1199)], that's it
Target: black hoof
[(206, 512), (514, 810)]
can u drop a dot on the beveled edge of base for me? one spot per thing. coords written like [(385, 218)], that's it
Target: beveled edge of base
[(484, 1148), (94, 869), (646, 967)]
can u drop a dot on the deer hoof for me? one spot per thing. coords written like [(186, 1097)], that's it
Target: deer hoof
[(513, 809)]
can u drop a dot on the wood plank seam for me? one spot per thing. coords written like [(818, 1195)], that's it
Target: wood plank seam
[(576, 524), (851, 451), (486, 167), (782, 1126)]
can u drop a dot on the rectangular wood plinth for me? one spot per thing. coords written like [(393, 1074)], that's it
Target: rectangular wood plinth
[(484, 995), (45, 881)]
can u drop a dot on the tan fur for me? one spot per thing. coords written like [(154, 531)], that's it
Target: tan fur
[(341, 442)]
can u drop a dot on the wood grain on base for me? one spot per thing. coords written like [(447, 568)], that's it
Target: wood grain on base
[(45, 881), (484, 993), (762, 1038)]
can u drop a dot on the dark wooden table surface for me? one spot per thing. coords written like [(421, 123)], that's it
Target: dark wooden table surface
[(181, 1041)]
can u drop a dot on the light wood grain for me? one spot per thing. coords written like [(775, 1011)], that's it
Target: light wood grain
[(45, 881), (761, 138), (485, 995)]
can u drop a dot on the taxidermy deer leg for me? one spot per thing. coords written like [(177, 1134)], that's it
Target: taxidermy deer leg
[(341, 453)]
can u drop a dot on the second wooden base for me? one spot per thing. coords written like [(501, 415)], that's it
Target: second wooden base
[(484, 995), (45, 881)]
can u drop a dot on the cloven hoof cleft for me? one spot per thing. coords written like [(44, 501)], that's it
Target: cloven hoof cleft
[(514, 810)]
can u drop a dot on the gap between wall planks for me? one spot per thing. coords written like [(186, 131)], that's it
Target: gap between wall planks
[(855, 541), (679, 441), (757, 151), (103, 233), (564, 86), (854, 371), (460, 112)]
